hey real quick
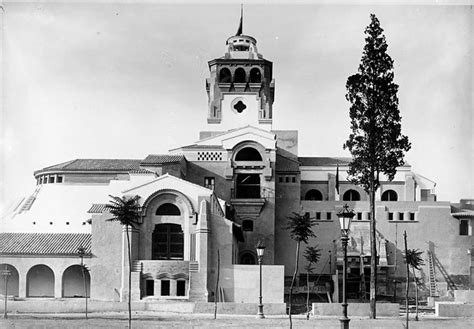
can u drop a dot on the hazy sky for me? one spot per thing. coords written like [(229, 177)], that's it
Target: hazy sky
[(121, 80)]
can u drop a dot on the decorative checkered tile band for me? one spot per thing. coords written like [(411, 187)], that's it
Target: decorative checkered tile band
[(209, 156)]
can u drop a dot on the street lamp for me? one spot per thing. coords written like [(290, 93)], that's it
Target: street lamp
[(260, 251), (345, 218)]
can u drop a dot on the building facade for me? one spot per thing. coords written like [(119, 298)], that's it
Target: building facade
[(207, 204)]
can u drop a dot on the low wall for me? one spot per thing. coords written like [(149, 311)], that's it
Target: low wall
[(355, 309), (240, 283), (78, 306), (454, 309), (465, 296)]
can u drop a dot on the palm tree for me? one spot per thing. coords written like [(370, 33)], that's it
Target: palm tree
[(312, 255), (413, 258), (81, 251), (126, 210), (300, 231)]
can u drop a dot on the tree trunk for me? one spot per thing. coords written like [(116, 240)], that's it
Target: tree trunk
[(293, 281), (373, 251), (416, 294), (216, 296), (85, 282), (307, 295), (408, 278), (129, 278)]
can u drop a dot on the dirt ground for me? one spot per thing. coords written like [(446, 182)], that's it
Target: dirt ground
[(162, 320)]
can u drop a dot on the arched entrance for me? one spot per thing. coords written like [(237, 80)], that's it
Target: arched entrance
[(40, 282), (12, 281), (73, 282)]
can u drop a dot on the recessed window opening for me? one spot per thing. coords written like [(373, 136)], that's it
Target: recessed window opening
[(248, 154), (313, 195), (463, 227), (168, 209), (248, 186), (389, 195), (412, 216), (60, 179), (209, 182), (247, 225), (180, 288), (224, 75), (165, 287), (351, 195), (247, 258), (149, 287), (359, 216), (401, 216), (239, 76), (167, 242), (390, 216), (255, 75)]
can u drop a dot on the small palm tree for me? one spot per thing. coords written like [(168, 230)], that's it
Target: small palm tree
[(414, 259), (300, 227), (126, 210), (312, 255), (81, 251)]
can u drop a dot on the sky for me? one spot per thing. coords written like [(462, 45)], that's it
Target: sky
[(124, 80)]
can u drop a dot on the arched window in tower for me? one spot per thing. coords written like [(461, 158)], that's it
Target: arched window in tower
[(239, 75), (168, 209), (389, 195), (255, 75), (224, 75), (313, 195), (351, 195), (167, 242), (248, 154)]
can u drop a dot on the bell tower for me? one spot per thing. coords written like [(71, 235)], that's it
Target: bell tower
[(240, 88)]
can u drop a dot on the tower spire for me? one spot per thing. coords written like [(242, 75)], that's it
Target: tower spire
[(241, 25)]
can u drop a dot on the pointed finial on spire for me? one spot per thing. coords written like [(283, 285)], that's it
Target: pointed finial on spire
[(241, 25)]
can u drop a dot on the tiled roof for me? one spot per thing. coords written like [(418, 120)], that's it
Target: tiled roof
[(162, 158), (323, 161), (95, 165), (141, 171), (463, 214), (44, 243), (203, 147), (97, 208)]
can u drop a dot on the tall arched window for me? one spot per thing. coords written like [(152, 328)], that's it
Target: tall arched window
[(224, 75), (167, 242), (389, 195), (313, 195), (168, 209), (248, 154), (351, 195), (255, 75), (239, 75)]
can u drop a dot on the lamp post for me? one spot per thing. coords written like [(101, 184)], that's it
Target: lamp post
[(260, 251), (5, 273), (345, 218)]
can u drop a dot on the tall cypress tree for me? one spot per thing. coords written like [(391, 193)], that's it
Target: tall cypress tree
[(376, 142)]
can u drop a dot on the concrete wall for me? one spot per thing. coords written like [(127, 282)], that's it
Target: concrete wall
[(106, 261), (454, 309), (241, 283), (355, 309), (78, 306)]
